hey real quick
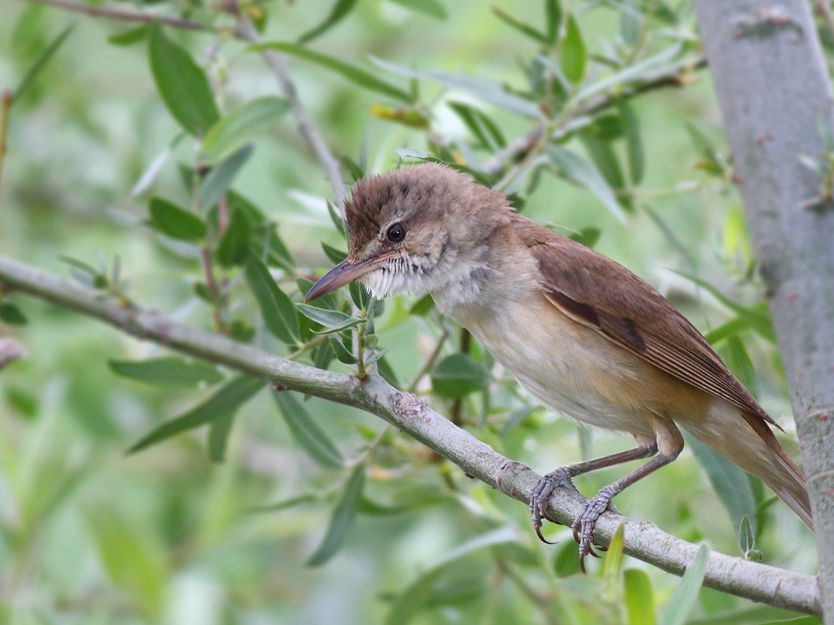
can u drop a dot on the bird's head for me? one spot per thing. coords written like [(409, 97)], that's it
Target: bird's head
[(411, 229)]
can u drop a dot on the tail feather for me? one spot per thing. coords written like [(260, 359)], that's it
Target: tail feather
[(757, 452)]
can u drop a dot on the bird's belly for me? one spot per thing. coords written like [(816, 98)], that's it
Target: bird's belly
[(566, 365)]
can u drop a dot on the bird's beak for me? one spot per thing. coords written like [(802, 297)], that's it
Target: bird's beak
[(343, 273)]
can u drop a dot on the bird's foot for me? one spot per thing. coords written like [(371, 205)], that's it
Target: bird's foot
[(585, 524), (560, 478)]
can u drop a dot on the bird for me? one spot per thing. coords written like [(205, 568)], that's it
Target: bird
[(581, 332)]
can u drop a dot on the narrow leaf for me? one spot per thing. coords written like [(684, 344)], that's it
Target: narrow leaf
[(130, 36), (686, 594), (457, 375), (12, 315), (218, 436), (310, 437), (36, 68), (339, 11), (175, 222), (354, 74), (342, 518), (639, 599), (432, 8), (276, 307), (245, 124), (583, 173), (553, 17), (224, 402), (221, 177), (330, 319), (168, 371), (573, 52), (235, 241), (520, 26), (612, 564), (634, 143), (183, 86)]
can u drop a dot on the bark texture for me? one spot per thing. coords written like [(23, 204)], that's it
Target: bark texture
[(776, 102)]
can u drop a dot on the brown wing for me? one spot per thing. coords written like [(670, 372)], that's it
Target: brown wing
[(626, 310)]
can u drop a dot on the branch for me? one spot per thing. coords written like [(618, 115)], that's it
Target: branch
[(134, 16), (775, 114), (675, 76), (412, 415), (275, 60), (308, 129)]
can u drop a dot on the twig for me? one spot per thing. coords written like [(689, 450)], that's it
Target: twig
[(135, 16), (520, 147), (10, 351), (429, 362), (456, 407), (759, 582), (308, 129), (4, 126)]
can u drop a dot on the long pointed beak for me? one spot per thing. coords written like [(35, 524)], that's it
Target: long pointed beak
[(343, 273)]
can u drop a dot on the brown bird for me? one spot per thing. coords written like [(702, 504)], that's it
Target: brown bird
[(581, 332)]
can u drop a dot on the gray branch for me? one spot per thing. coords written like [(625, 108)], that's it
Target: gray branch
[(776, 101), (412, 415)]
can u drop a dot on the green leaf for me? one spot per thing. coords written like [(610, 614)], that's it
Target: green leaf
[(415, 596), (520, 26), (730, 483), (573, 52), (342, 518), (581, 172), (553, 17), (432, 8), (244, 124), (605, 158), (181, 83), (310, 437), (566, 560), (335, 256), (168, 371), (612, 563), (221, 177), (223, 403), (459, 374), (630, 21), (36, 67), (332, 320), (481, 126), (339, 11), (587, 236), (422, 306), (634, 143), (218, 436), (639, 599), (735, 356), (352, 73), (130, 36), (12, 315), (175, 222), (277, 309), (483, 89), (686, 594), (235, 241)]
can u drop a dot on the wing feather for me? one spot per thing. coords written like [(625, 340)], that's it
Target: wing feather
[(602, 294)]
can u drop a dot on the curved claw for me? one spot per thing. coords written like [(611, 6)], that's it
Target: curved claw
[(585, 524), (541, 496)]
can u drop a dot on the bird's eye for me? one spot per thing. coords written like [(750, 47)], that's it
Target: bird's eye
[(396, 232)]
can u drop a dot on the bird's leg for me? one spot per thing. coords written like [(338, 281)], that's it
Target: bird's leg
[(583, 527), (562, 478)]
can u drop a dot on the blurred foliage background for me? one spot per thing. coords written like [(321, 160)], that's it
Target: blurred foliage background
[(90, 534)]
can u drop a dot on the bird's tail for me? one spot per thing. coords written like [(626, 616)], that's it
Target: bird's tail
[(757, 452)]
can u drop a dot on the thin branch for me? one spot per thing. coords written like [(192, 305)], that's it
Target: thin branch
[(5, 109), (412, 415), (675, 76), (10, 351), (135, 16), (308, 129)]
